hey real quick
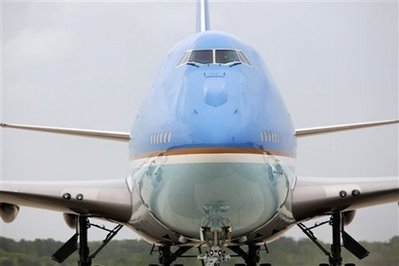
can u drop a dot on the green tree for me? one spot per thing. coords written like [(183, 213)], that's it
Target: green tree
[(283, 252)]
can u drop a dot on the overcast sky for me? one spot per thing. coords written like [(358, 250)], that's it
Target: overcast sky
[(89, 64)]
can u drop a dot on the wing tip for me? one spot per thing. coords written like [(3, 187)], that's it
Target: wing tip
[(343, 127)]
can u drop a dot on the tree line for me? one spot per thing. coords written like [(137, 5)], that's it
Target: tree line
[(285, 251)]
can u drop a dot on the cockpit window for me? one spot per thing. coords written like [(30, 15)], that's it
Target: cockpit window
[(201, 57), (243, 58), (228, 57), (184, 59)]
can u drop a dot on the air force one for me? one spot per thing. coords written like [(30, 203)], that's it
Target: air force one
[(212, 156)]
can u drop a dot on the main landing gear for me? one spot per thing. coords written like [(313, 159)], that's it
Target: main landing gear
[(166, 256), (215, 239), (79, 242), (334, 255), (251, 257)]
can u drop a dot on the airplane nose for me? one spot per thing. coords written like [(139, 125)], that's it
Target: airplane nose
[(215, 91)]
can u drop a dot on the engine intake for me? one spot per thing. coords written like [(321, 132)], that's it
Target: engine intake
[(348, 217), (8, 212), (71, 220)]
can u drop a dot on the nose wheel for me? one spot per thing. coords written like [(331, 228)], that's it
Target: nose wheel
[(214, 257)]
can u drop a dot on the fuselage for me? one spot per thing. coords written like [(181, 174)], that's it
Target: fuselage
[(213, 144)]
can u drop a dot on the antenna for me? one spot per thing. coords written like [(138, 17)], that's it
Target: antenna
[(202, 16)]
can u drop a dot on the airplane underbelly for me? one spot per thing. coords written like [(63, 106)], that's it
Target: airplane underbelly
[(187, 192)]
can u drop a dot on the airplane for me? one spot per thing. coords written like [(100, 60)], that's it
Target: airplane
[(219, 129)]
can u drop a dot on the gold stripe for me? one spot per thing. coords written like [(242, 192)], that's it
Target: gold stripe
[(211, 150)]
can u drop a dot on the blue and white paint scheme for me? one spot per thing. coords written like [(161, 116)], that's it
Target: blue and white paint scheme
[(213, 130), (212, 154)]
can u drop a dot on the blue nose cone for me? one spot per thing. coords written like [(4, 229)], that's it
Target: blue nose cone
[(215, 91)]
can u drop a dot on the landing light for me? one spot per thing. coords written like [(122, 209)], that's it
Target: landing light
[(66, 196), (342, 194)]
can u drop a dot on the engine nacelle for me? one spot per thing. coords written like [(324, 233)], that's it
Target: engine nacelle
[(348, 217), (8, 212), (70, 220)]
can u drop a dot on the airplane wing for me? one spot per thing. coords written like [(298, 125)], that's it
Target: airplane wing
[(123, 136), (329, 129), (317, 196), (110, 200), (106, 199), (312, 196), (111, 135)]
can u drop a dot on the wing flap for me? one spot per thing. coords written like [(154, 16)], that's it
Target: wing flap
[(322, 196), (104, 199)]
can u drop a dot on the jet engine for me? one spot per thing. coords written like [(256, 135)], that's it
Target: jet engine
[(8, 212), (70, 220), (348, 217)]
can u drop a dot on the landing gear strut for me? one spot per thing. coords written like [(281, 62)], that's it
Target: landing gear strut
[(84, 251), (336, 222), (251, 257), (79, 241), (334, 256), (166, 256)]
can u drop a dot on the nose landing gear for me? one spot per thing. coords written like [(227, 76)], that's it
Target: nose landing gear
[(214, 257), (215, 239)]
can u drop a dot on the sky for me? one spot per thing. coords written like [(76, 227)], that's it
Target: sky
[(89, 65)]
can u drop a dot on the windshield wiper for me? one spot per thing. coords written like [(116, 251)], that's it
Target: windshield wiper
[(235, 63), (192, 64)]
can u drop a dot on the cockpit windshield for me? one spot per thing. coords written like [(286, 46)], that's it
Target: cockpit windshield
[(215, 56), (201, 57), (226, 56)]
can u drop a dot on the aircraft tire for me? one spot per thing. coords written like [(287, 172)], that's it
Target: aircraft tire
[(265, 264), (350, 264)]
